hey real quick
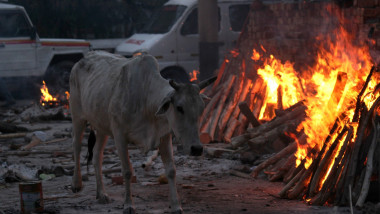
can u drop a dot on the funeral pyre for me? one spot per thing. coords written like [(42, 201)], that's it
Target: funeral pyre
[(328, 112)]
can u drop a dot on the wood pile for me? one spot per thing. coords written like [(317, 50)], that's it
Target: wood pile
[(228, 113), (345, 162)]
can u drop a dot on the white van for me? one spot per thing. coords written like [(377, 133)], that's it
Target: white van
[(172, 35), (25, 57)]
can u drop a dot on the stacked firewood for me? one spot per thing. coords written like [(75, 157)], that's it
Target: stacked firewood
[(233, 94), (343, 169)]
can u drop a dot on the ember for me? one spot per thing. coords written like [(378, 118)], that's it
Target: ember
[(194, 75)]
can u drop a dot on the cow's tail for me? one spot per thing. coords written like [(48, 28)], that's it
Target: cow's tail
[(90, 144)]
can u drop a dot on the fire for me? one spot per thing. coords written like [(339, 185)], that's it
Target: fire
[(194, 75), (255, 55), (329, 88), (278, 77), (53, 100), (45, 95), (234, 53), (67, 95)]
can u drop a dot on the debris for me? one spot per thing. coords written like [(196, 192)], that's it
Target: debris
[(187, 186), (16, 173), (117, 180), (240, 174), (163, 179), (217, 152), (10, 128), (46, 177), (30, 152), (15, 135), (39, 137), (36, 113), (150, 160)]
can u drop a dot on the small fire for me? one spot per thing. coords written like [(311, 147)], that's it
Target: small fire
[(45, 95), (50, 100), (234, 53), (255, 55), (194, 75), (67, 95)]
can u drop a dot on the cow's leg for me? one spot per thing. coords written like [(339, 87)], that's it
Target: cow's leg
[(78, 129), (98, 162), (166, 151), (122, 149)]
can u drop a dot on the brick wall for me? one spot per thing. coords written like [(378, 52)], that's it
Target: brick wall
[(289, 31)]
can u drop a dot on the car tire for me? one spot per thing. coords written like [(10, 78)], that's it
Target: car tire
[(57, 76), (176, 75)]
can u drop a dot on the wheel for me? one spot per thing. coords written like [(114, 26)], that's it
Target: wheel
[(58, 75), (176, 75)]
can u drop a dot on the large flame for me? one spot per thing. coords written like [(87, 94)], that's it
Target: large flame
[(329, 88)]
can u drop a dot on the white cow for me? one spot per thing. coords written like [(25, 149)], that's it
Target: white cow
[(128, 100)]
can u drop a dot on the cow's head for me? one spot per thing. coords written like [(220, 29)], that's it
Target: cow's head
[(183, 108)]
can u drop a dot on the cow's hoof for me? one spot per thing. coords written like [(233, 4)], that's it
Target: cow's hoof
[(180, 211), (103, 199), (76, 184), (76, 188), (129, 210)]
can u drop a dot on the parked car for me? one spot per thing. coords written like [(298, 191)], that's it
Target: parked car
[(25, 56), (172, 35)]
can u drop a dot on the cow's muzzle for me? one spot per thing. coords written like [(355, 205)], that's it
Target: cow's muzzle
[(196, 150)]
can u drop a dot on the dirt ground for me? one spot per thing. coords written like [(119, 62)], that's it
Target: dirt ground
[(205, 184)]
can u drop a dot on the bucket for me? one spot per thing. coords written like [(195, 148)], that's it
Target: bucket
[(31, 199)]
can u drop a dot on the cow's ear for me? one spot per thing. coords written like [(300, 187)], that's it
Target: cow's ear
[(165, 104)]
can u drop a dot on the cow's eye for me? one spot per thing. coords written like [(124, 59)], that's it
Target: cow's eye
[(180, 110)]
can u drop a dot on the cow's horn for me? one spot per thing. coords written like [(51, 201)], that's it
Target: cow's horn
[(174, 84), (206, 83)]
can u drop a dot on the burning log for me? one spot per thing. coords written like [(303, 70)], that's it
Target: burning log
[(295, 179), (350, 176), (244, 108), (369, 167), (290, 149), (338, 90), (293, 117), (322, 170), (284, 168), (260, 142), (336, 172), (279, 98)]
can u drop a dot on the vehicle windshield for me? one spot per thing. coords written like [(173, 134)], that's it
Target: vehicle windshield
[(13, 23), (163, 19)]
